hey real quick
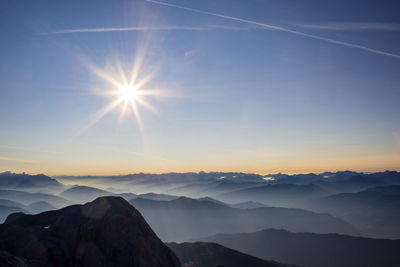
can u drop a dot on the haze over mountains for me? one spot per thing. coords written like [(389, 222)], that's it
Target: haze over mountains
[(185, 218), (201, 254), (291, 216), (313, 250)]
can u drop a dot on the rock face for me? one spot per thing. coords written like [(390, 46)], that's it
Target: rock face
[(105, 232)]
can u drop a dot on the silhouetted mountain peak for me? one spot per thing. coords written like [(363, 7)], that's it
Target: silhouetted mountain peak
[(108, 206), (105, 232)]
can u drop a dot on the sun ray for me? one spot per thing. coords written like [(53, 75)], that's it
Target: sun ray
[(152, 92), (147, 105), (136, 114), (127, 91), (121, 72), (99, 72), (140, 54), (101, 113), (124, 109), (144, 81)]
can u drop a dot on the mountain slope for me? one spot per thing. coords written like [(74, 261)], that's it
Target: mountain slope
[(26, 198), (32, 183), (105, 232), (376, 210), (287, 195), (6, 210), (83, 194), (184, 218), (39, 206), (313, 250), (200, 254), (10, 203)]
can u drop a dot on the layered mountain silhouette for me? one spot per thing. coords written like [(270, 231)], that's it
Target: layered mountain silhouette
[(185, 218), (26, 198), (82, 194), (201, 254), (6, 210), (273, 190), (376, 211), (105, 232), (313, 250), (31, 183), (187, 184), (8, 206), (311, 206), (288, 195)]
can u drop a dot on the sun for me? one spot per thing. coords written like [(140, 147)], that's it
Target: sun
[(127, 92)]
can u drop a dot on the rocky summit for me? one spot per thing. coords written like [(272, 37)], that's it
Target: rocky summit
[(105, 232)]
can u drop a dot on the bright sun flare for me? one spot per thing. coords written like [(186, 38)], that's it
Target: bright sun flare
[(128, 92)]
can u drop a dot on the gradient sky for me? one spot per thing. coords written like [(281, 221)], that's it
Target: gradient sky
[(255, 86)]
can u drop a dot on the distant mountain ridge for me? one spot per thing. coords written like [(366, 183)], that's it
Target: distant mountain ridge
[(26, 198), (288, 195), (82, 194), (204, 184), (375, 210), (7, 207), (200, 254), (105, 232), (313, 250), (185, 218), (32, 183)]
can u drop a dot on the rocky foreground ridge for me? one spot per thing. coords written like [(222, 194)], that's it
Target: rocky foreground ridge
[(105, 232)]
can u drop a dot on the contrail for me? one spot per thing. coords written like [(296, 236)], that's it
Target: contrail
[(351, 26), (147, 28), (278, 28)]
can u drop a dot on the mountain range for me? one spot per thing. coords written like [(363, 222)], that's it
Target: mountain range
[(185, 218), (313, 250), (201, 254), (105, 232)]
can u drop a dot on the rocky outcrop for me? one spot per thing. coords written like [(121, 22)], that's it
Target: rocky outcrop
[(105, 232)]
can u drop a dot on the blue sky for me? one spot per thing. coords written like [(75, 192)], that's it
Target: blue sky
[(255, 86)]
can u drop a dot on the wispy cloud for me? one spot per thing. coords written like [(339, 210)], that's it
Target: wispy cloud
[(350, 26), (189, 53), (16, 160), (148, 28), (283, 29)]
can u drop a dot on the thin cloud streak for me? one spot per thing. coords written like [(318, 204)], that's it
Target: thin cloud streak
[(350, 26), (17, 160), (147, 28), (278, 28)]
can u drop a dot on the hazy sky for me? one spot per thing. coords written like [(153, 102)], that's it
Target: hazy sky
[(246, 85)]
